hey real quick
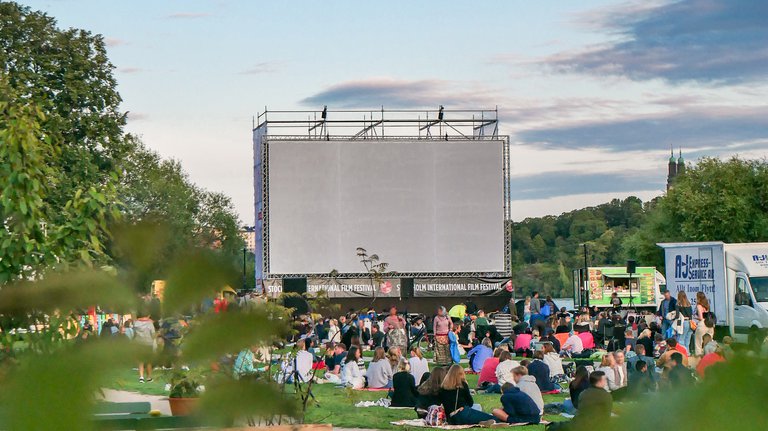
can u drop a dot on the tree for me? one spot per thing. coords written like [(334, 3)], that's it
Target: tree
[(154, 190), (68, 116), (714, 201)]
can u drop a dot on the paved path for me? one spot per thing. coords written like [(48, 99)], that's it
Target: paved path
[(159, 402)]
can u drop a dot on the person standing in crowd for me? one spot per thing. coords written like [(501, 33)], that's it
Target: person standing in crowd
[(377, 337), (418, 364), (457, 400), (616, 302), (364, 333), (517, 407), (535, 305), (404, 391), (527, 310), (334, 334), (379, 371), (144, 335), (702, 311), (667, 304), (683, 322), (128, 329), (441, 326), (394, 327)]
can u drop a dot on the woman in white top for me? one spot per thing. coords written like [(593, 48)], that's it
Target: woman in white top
[(505, 367), (553, 361), (333, 331), (418, 364), (608, 366), (702, 308), (351, 375)]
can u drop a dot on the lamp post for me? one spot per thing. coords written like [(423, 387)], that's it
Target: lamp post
[(586, 276), (244, 257)]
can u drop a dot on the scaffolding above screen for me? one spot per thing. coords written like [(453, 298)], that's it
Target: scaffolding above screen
[(380, 124)]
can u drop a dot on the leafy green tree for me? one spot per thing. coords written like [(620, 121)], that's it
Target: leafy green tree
[(715, 200), (154, 189), (62, 83)]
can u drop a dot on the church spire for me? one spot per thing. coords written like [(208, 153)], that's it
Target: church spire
[(680, 163), (672, 167)]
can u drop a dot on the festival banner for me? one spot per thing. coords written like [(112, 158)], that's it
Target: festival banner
[(461, 287)]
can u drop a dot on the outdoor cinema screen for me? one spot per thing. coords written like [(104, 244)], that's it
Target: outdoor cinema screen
[(423, 206)]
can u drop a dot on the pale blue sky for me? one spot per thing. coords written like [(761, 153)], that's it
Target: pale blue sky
[(593, 93)]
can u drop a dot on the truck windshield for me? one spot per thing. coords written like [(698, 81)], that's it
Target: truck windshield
[(760, 288)]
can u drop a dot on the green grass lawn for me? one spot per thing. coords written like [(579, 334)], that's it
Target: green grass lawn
[(336, 406)]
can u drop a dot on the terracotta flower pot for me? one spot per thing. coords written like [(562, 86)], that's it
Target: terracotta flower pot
[(183, 406)]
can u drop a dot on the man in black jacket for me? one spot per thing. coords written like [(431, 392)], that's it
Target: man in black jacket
[(668, 304)]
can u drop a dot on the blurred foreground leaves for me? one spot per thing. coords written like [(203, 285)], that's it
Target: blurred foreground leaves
[(49, 377), (58, 391)]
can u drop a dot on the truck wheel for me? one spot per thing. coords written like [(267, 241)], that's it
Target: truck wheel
[(754, 340)]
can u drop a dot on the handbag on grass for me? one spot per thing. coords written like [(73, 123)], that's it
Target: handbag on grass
[(435, 416)]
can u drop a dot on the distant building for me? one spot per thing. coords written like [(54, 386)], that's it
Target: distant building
[(675, 168), (248, 233)]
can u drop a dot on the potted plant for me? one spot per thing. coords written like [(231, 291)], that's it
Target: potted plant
[(185, 389)]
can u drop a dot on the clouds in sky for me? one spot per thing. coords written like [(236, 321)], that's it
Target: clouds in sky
[(719, 127), (709, 41), (394, 93)]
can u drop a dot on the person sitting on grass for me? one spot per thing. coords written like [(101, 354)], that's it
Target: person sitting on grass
[(379, 371), (504, 369), (479, 354), (572, 346), (528, 385), (678, 375), (487, 379), (418, 363), (351, 375), (672, 348), (640, 381), (517, 407), (457, 400), (540, 371), (335, 363), (393, 356), (403, 392), (709, 359), (555, 364), (429, 391)]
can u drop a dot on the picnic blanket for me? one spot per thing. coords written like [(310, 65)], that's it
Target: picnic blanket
[(421, 424), (381, 402)]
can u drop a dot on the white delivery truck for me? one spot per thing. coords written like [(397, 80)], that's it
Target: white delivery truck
[(733, 276)]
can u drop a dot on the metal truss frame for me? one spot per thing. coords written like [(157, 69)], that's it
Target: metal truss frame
[(449, 125)]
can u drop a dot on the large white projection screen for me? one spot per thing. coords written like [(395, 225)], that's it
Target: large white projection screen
[(420, 205)]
